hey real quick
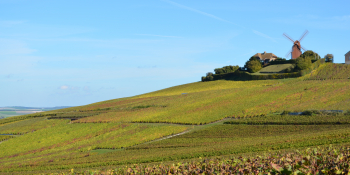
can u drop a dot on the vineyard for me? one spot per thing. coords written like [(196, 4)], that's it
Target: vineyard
[(320, 160), (201, 119), (331, 71)]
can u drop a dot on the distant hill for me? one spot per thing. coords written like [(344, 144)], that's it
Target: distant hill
[(10, 111)]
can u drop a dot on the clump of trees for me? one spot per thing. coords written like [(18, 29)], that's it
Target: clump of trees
[(208, 77), (310, 54), (305, 60), (226, 69), (253, 65), (329, 58), (302, 63)]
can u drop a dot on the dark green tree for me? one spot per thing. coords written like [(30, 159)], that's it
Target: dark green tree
[(312, 55), (329, 58), (226, 69), (302, 63), (253, 65)]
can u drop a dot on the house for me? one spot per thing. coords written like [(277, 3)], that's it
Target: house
[(265, 57), (347, 58)]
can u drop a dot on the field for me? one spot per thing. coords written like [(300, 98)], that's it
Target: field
[(278, 68), (4, 114), (181, 123)]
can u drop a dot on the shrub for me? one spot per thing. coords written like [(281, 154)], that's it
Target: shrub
[(226, 69), (285, 112), (311, 112), (253, 65), (303, 63), (312, 55)]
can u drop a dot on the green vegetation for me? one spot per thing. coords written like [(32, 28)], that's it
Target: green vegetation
[(329, 160), (29, 125), (226, 69), (330, 71), (253, 65), (294, 120), (4, 114), (311, 55), (5, 137), (202, 119), (303, 63), (329, 58), (278, 68)]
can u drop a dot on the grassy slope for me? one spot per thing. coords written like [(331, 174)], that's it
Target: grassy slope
[(273, 68), (331, 71), (227, 99), (107, 125), (29, 125)]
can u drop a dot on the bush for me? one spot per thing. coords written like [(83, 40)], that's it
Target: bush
[(209, 77), (290, 69), (285, 112), (226, 69), (329, 58), (303, 63), (311, 112), (253, 65), (312, 55)]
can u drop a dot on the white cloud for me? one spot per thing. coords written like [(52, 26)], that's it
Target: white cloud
[(64, 87), (264, 35), (200, 12)]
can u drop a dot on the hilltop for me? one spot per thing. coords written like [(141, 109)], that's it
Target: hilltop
[(200, 119)]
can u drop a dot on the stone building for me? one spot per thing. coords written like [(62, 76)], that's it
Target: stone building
[(347, 58)]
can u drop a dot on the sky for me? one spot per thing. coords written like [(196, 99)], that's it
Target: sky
[(72, 53)]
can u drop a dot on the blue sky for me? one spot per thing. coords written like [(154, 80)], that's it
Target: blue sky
[(68, 53)]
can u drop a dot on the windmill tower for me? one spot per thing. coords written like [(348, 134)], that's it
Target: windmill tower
[(296, 48)]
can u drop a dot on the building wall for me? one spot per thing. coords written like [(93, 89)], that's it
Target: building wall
[(347, 58)]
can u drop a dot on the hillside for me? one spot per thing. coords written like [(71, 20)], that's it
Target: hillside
[(331, 71), (278, 68), (200, 119)]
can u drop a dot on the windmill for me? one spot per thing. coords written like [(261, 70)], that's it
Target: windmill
[(296, 48)]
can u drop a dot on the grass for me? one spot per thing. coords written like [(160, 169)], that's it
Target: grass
[(331, 71), (278, 68), (227, 100)]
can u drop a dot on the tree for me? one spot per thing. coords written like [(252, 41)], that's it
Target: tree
[(253, 65), (311, 54), (329, 58), (302, 63), (226, 69)]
